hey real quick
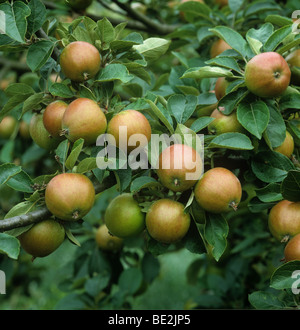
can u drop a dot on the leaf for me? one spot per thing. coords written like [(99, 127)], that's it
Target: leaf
[(271, 166), (283, 277), (275, 132), (182, 106), (216, 232), (87, 165), (153, 48), (61, 90), (143, 182), (265, 300), (106, 31), (234, 141), (7, 171), (277, 38), (18, 89), (74, 154), (21, 182), (38, 54), (201, 123), (33, 102), (207, 72), (114, 72), (254, 117), (37, 17), (15, 19), (290, 186), (9, 245), (269, 193)]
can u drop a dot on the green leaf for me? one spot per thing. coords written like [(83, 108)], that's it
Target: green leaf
[(269, 193), (130, 280), (106, 31), (277, 38), (33, 102), (225, 62), (254, 117), (271, 166), (15, 19), (265, 301), (114, 72), (216, 232), (38, 54), (153, 48), (275, 132), (201, 123), (143, 182), (37, 17), (290, 186), (284, 277), (257, 37), (9, 245), (7, 171), (289, 101), (18, 89), (207, 72), (87, 165), (21, 182), (234, 141), (182, 106), (74, 154), (60, 90), (232, 99)]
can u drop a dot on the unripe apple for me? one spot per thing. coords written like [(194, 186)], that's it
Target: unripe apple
[(84, 119), (52, 117), (218, 47), (284, 220), (70, 196), (224, 123), (40, 135), (267, 75), (292, 249), (135, 123), (124, 217), (106, 241), (180, 167), (24, 130), (80, 61), (220, 87), (293, 59), (218, 191), (287, 147), (43, 238), (167, 222), (7, 127)]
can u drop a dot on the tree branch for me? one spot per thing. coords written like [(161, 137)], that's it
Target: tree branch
[(43, 213)]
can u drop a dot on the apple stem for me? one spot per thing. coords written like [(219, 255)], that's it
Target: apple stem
[(85, 76), (63, 132), (234, 206), (176, 183), (75, 215)]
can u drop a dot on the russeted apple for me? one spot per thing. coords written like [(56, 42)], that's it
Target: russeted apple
[(70, 196), (80, 61), (224, 123), (166, 221), (7, 127), (106, 241), (218, 191), (218, 47), (134, 122), (43, 238), (124, 217), (179, 167), (287, 147), (292, 249), (52, 117), (267, 75), (284, 220), (293, 59), (84, 119), (40, 135)]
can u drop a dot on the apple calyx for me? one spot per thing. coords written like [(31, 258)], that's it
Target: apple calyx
[(285, 239), (233, 205)]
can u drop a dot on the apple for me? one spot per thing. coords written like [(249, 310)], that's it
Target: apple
[(220, 87), (180, 167), (292, 249), (52, 117), (287, 147), (80, 61), (224, 123), (7, 127), (284, 220), (218, 47), (218, 191), (267, 75), (293, 59), (166, 221), (106, 241)]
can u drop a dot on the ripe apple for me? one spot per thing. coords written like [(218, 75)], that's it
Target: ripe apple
[(106, 241), (284, 220), (293, 59), (84, 119), (287, 147), (166, 221), (218, 191), (220, 87), (135, 123), (43, 238), (70, 196), (218, 47), (180, 167), (40, 135), (80, 61), (7, 127), (124, 217), (224, 123), (52, 117), (24, 130), (221, 3), (267, 75), (292, 249)]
